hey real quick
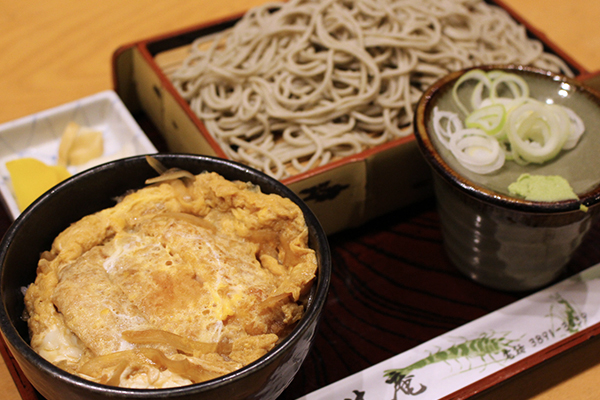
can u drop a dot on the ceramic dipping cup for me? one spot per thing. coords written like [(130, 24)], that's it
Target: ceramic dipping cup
[(498, 239)]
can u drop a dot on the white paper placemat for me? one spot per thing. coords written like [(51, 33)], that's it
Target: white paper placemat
[(476, 350)]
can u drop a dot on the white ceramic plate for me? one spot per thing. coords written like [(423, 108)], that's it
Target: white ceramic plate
[(38, 136)]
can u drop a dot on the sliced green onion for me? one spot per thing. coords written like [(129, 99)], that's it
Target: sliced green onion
[(474, 74), (516, 85), (445, 124), (489, 119), (477, 151), (504, 124), (535, 132), (577, 128)]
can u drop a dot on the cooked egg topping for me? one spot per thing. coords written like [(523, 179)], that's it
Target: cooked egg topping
[(176, 284)]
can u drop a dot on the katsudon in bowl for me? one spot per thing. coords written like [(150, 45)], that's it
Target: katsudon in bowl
[(171, 276)]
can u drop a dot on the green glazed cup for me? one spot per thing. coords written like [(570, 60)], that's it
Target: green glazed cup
[(500, 240)]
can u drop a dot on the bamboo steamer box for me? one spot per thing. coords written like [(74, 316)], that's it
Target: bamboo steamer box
[(344, 193)]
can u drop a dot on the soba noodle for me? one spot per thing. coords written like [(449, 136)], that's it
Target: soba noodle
[(294, 85)]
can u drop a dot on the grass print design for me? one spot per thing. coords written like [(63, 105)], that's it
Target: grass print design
[(486, 348), (486, 345), (571, 319)]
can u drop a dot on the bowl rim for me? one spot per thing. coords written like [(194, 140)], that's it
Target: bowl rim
[(311, 315), (473, 189)]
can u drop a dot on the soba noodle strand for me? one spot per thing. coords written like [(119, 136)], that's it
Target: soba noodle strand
[(294, 85)]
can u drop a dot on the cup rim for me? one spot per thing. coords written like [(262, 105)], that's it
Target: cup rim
[(471, 188)]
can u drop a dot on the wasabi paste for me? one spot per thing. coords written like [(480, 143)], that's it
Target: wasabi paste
[(542, 188)]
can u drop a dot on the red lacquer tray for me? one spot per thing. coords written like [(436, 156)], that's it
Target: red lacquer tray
[(392, 289)]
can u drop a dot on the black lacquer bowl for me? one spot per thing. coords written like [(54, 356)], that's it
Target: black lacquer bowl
[(96, 189)]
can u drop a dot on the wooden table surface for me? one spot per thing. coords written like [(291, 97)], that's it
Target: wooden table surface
[(56, 51)]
